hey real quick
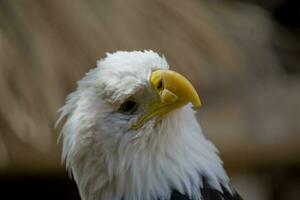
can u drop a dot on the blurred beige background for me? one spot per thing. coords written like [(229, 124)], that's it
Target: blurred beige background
[(243, 57)]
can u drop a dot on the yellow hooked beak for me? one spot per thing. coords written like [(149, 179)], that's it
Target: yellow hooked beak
[(173, 91)]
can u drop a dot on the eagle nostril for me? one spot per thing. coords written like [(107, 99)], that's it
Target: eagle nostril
[(160, 85)]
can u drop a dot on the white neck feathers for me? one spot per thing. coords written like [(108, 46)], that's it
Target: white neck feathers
[(177, 159)]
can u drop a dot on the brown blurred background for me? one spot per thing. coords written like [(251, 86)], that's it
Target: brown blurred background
[(243, 57)]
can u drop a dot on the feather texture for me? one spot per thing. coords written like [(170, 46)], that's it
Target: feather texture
[(209, 193)]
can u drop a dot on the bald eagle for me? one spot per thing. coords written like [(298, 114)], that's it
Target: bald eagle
[(131, 134)]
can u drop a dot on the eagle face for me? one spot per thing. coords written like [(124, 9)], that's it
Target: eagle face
[(130, 132)]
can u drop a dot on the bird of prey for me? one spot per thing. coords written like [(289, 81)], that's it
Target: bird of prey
[(130, 133)]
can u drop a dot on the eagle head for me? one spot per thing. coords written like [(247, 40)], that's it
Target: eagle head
[(130, 132)]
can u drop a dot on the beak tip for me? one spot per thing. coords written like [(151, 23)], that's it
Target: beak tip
[(196, 100), (197, 104)]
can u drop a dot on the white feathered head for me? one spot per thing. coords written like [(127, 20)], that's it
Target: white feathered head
[(130, 132)]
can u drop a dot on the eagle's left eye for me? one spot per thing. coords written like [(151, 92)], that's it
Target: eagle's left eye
[(128, 107)]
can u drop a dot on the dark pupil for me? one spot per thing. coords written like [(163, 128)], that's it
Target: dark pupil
[(128, 106)]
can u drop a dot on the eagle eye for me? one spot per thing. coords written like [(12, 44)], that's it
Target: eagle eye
[(129, 106)]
